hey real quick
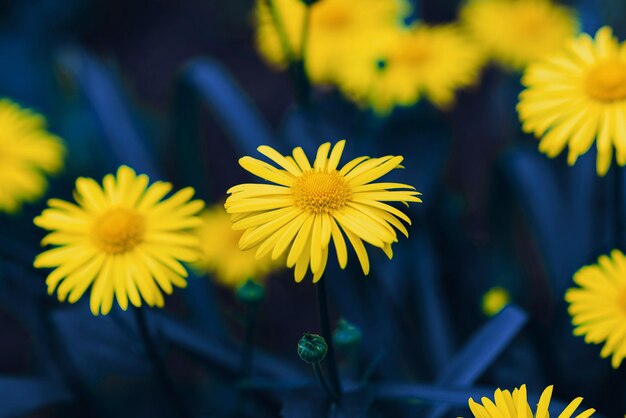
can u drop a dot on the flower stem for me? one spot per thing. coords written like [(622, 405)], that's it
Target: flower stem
[(331, 363), (617, 208), (317, 367), (157, 363)]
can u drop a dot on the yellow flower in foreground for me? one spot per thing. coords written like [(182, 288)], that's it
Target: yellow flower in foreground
[(411, 63), (516, 405), (221, 256), (310, 204), (122, 238), (336, 32), (496, 299), (598, 306), (28, 152), (516, 32), (579, 95)]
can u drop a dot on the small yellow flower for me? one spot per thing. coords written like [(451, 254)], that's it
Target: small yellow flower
[(598, 306), (221, 256), (517, 32), (311, 204), (411, 63), (337, 30), (516, 405), (578, 96), (28, 152), (496, 299), (123, 238)]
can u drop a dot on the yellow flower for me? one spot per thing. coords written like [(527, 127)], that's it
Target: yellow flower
[(123, 238), (496, 299), (336, 31), (221, 256), (309, 205), (516, 32), (516, 405), (579, 95), (598, 306), (27, 153), (411, 63)]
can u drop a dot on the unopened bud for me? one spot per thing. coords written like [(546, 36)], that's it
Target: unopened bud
[(312, 348)]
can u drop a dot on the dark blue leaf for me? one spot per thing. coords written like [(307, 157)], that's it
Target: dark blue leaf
[(22, 395), (311, 402)]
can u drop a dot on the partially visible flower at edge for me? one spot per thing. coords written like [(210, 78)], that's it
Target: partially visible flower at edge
[(577, 96), (598, 305), (28, 152), (516, 405), (494, 300), (515, 33), (221, 256), (410, 64), (122, 238), (336, 33), (308, 205)]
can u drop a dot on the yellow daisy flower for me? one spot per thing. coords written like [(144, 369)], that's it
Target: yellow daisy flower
[(310, 204), (123, 238), (517, 32), (496, 299), (336, 31), (576, 96), (411, 63), (221, 256), (28, 152), (516, 405), (598, 306)]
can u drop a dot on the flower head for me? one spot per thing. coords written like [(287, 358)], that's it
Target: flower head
[(515, 405), (517, 32), (28, 152), (311, 204), (123, 238), (409, 64), (336, 31), (496, 299), (578, 96), (598, 305), (221, 256)]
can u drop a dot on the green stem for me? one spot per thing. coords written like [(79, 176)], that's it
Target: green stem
[(317, 367), (157, 363), (280, 31), (331, 363)]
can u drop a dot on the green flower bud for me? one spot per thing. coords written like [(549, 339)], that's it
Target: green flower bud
[(312, 348), (251, 292), (346, 335), (309, 2)]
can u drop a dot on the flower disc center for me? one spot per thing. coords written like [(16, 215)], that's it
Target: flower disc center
[(332, 17), (321, 191), (119, 230), (606, 81), (413, 53)]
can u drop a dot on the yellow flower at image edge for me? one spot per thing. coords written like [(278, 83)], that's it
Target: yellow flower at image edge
[(577, 97), (28, 152), (517, 32), (220, 253), (311, 204), (598, 306), (515, 405), (123, 239)]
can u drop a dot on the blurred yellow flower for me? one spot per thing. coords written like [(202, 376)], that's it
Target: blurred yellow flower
[(516, 405), (310, 204), (495, 300), (28, 152), (123, 238), (410, 63), (598, 306), (221, 257), (576, 96), (517, 32), (337, 30)]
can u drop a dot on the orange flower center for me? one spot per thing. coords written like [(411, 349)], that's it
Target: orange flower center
[(331, 17), (321, 191), (413, 52), (606, 81), (119, 230)]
